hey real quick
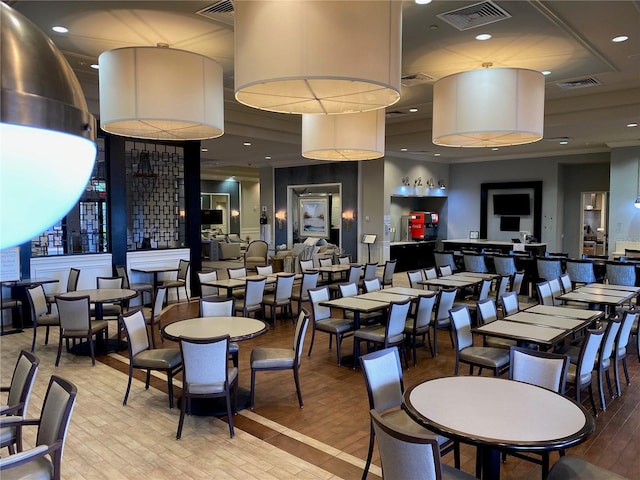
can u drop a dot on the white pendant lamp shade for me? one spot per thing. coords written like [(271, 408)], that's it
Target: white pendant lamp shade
[(353, 136), (161, 94), (47, 135), (491, 107), (317, 56)]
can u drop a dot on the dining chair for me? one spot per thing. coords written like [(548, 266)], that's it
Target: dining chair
[(141, 288), (256, 254), (75, 322), (351, 290), (443, 259), (40, 313), (44, 460), (325, 262), (580, 374), (306, 265), (153, 315), (383, 378), (481, 294), (370, 270), (269, 358), (142, 357), (573, 468), (516, 282), (18, 395), (207, 290), (371, 285), (112, 310), (510, 304), (237, 272), (252, 300), (72, 286), (430, 273), (415, 276), (474, 262), (504, 264), (548, 267), (301, 293), (323, 321), (353, 276), (556, 291), (281, 298), (181, 279), (419, 324), (344, 260), (388, 335), (545, 295), (502, 287), (210, 307), (387, 273), (441, 321), (487, 312), (621, 273), (445, 271), (13, 305), (620, 347), (496, 359), (581, 271), (206, 374), (264, 269), (565, 282)]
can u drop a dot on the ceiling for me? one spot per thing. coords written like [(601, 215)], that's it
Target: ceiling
[(572, 39)]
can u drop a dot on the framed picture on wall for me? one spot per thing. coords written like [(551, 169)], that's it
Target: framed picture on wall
[(314, 217), (474, 235)]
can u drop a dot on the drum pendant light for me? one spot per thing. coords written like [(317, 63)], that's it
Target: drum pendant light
[(47, 135), (317, 56), (490, 107), (160, 93)]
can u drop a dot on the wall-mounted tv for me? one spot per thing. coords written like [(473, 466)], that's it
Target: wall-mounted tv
[(211, 217), (512, 204)]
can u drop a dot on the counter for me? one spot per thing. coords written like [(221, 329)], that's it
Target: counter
[(412, 255), (537, 249)]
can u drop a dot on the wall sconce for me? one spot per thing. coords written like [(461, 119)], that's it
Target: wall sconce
[(235, 215), (430, 183), (441, 185), (405, 181), (281, 218), (348, 217), (417, 182)]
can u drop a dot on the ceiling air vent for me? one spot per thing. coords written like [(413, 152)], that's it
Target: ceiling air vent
[(415, 79), (475, 15), (221, 11), (580, 83)]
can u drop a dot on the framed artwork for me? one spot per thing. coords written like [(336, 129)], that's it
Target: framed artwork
[(314, 217)]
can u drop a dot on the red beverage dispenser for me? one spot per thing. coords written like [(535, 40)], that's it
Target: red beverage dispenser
[(417, 225)]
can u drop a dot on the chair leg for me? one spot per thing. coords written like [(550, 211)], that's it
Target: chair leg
[(601, 390), (608, 377), (435, 342), (153, 334), (626, 372), (147, 379), (170, 387), (33, 342), (126, 393), (183, 406), (593, 401), (253, 387), (313, 337), (46, 336), (297, 380), (456, 454), (369, 454), (229, 413), (338, 347), (59, 350), (93, 353)]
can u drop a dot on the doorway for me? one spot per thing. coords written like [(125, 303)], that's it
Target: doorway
[(218, 225), (595, 213)]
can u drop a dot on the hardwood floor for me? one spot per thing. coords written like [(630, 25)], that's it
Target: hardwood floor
[(328, 438)]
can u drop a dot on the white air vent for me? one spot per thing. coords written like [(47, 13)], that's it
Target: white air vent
[(221, 11), (395, 114), (415, 79), (475, 15), (580, 83)]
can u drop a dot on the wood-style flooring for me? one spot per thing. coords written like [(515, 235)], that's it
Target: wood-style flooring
[(326, 439)]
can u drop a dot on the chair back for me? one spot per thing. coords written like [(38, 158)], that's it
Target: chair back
[(372, 285), (284, 286), (37, 301), (389, 270), (344, 260), (545, 295), (544, 369), (317, 295), (414, 277), (74, 313), (306, 265), (158, 303), (501, 288), (56, 412), (254, 291), (425, 309), (446, 297), (444, 258), (565, 282), (135, 329), (309, 281), (549, 267), (24, 374), (474, 262), (510, 304), (587, 357), (486, 310), (206, 290), (485, 286), (556, 290), (581, 271), (610, 334), (398, 312), (298, 338), (183, 269), (430, 273), (630, 316), (264, 269), (216, 308), (354, 273), (256, 252), (405, 454), (516, 282), (382, 373), (109, 282), (621, 273), (72, 279), (445, 271), (121, 271), (204, 362), (370, 271), (348, 289), (236, 272), (325, 262), (504, 264), (461, 321)]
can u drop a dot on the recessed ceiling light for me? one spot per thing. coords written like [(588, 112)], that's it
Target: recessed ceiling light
[(95, 66), (495, 149), (620, 38), (423, 2), (247, 144), (413, 110), (204, 150), (60, 29), (403, 149), (436, 154), (632, 124), (483, 36), (267, 157), (563, 142), (546, 72)]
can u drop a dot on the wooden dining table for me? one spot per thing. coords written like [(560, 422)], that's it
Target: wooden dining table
[(611, 296), (230, 284)]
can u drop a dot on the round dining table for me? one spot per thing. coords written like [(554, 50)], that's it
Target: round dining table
[(495, 413)]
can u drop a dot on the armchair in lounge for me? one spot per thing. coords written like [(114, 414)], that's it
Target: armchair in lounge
[(256, 254)]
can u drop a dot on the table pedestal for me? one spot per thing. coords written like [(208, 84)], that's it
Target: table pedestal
[(217, 407)]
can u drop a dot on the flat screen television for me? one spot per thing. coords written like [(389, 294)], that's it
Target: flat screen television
[(509, 224), (512, 204), (211, 217)]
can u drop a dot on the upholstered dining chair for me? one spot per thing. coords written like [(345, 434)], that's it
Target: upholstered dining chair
[(371, 285), (504, 264), (430, 273), (419, 325), (369, 273), (112, 310), (556, 291), (502, 287), (72, 286), (620, 347), (252, 301), (444, 303), (210, 307), (181, 279), (237, 272), (565, 282), (142, 357), (549, 267), (516, 282), (324, 322), (44, 460), (40, 313), (443, 259), (153, 315), (207, 290), (264, 269), (141, 288), (270, 358), (383, 378), (579, 375), (414, 277), (75, 322), (207, 375), (545, 295), (510, 304), (445, 270), (487, 312), (387, 273), (621, 273), (496, 359), (256, 254), (306, 265), (474, 262), (573, 468), (301, 293), (581, 271), (349, 290), (280, 298), (19, 393), (353, 276)]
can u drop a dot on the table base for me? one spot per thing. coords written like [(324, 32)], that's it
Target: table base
[(217, 407), (113, 345)]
